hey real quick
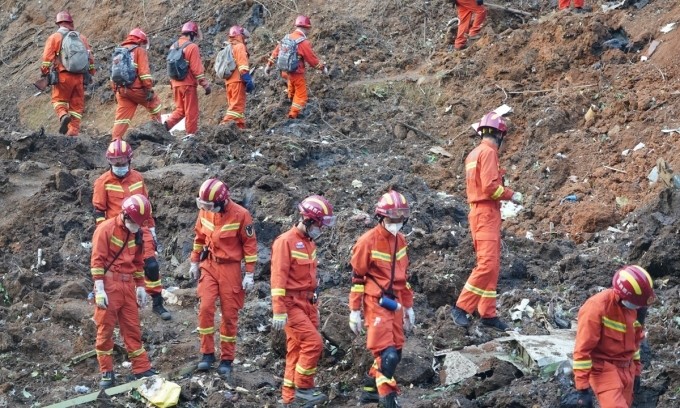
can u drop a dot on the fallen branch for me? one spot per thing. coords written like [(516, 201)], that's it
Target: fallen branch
[(420, 132), (508, 9), (551, 89), (614, 169)]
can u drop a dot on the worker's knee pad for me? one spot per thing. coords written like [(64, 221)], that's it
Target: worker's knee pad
[(151, 269), (389, 359)]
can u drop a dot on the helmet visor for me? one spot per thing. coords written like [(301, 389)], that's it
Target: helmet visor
[(204, 205), (397, 213), (118, 161), (328, 220)]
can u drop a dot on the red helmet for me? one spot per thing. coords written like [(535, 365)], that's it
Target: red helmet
[(190, 27), (64, 17), (633, 284), (303, 21), (238, 30), (137, 32), (317, 208), (492, 120), (138, 208), (392, 205), (119, 152), (213, 191)]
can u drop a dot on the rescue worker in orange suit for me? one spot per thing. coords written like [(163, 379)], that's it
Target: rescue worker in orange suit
[(485, 190), (116, 267), (578, 5), (240, 81), (110, 189), (607, 348), (68, 96), (140, 92), (297, 86), (379, 284), (471, 17), (184, 91), (293, 286), (225, 236)]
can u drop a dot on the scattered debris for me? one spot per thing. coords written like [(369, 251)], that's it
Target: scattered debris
[(612, 229), (571, 198), (614, 169), (612, 6), (80, 357), (159, 392), (440, 150), (590, 115), (509, 209), (81, 389), (650, 50), (667, 28), (357, 183), (622, 201), (522, 308), (638, 146), (676, 130), (543, 353), (665, 172)]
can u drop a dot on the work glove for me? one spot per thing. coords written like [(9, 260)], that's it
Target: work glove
[(409, 319), (267, 70), (208, 89), (480, 2), (141, 296), (636, 385), (250, 85), (279, 321), (149, 96), (195, 271), (248, 282), (355, 321), (517, 198), (100, 295)]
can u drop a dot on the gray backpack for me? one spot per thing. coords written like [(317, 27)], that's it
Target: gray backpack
[(74, 55), (288, 57), (225, 64), (178, 67), (123, 71)]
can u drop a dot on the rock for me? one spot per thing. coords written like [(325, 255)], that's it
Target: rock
[(73, 290), (400, 131), (335, 329), (6, 342), (63, 181), (152, 131), (416, 363), (72, 311), (269, 183)]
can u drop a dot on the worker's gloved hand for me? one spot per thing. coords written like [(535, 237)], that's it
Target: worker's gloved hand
[(409, 319), (195, 271), (141, 296), (267, 70), (279, 321), (517, 198), (355, 322), (208, 89), (636, 385), (480, 2), (250, 85), (248, 282), (149, 95), (100, 294)]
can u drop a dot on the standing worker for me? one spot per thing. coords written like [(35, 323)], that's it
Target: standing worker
[(116, 267), (225, 236), (240, 82), (485, 190), (68, 54), (379, 284), (110, 189), (607, 349), (190, 76), (290, 56), (140, 90), (293, 286), (471, 17)]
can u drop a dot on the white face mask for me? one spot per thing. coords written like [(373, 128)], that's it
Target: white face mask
[(314, 232), (394, 228), (629, 305), (120, 171), (131, 226)]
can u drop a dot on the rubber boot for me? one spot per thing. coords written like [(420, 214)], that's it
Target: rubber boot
[(108, 379), (158, 307), (369, 391), (206, 362), (495, 323), (389, 401), (460, 317), (309, 397), (148, 373), (64, 120), (225, 369)]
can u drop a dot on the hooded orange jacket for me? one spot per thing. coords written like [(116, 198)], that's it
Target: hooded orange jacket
[(483, 176)]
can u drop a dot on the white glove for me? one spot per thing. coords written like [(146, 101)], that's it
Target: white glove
[(141, 296), (248, 282), (267, 70), (517, 198), (100, 295), (152, 230), (279, 321), (325, 70), (409, 319), (355, 321), (195, 271)]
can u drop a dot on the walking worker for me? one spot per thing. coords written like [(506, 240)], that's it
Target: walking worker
[(293, 286), (290, 56), (70, 56), (116, 267), (225, 237), (138, 92), (608, 338), (240, 82), (380, 286), (110, 190), (471, 17), (485, 190)]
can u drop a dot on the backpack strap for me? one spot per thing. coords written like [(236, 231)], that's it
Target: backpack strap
[(184, 45)]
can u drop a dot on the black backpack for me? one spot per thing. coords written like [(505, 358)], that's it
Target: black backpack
[(178, 66), (123, 71)]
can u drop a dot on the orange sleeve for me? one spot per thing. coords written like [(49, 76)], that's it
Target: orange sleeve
[(274, 56), (100, 251), (361, 260), (490, 176), (193, 55), (143, 70), (280, 268), (199, 240), (241, 58), (99, 200), (247, 235), (52, 47), (587, 338), (308, 55)]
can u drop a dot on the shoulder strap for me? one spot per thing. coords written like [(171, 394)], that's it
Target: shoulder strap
[(184, 45), (106, 268), (132, 48)]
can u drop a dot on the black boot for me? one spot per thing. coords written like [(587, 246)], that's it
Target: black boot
[(108, 379), (389, 401), (206, 362), (148, 373), (460, 317), (495, 323), (158, 307), (369, 391), (63, 123), (224, 370)]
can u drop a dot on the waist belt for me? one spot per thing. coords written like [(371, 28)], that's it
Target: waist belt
[(220, 260), (119, 276), (621, 364), (305, 294)]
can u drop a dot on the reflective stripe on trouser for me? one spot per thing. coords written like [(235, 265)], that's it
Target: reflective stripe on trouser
[(221, 281), (303, 346), (236, 104), (385, 328), (128, 99), (297, 91), (186, 106), (563, 4), (466, 10), (68, 98), (122, 308), (153, 287), (612, 385), (480, 289)]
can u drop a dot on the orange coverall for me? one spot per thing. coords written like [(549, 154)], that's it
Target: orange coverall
[(236, 88), (107, 199), (121, 275), (607, 350), (466, 10), (484, 185), (184, 91), (372, 270), (293, 283), (129, 97), (68, 96), (297, 86), (564, 4), (230, 238)]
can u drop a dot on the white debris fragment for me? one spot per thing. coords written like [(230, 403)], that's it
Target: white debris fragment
[(357, 184), (667, 28), (523, 307), (638, 146), (86, 245), (509, 209), (625, 152)]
